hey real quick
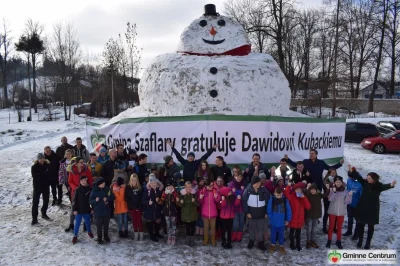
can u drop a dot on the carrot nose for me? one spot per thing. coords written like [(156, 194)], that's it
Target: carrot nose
[(213, 31)]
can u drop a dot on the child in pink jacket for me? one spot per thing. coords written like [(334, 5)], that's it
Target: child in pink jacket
[(227, 214), (209, 198)]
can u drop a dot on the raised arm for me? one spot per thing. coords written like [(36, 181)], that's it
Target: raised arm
[(179, 156)]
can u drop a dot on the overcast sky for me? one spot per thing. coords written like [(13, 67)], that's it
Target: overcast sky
[(159, 22)]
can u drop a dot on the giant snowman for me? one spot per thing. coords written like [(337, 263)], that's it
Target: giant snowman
[(212, 72)]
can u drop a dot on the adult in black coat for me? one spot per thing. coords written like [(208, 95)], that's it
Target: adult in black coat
[(367, 210), (54, 167), (315, 166), (255, 168), (140, 168), (220, 169), (60, 151), (190, 166), (301, 174), (40, 171), (170, 167)]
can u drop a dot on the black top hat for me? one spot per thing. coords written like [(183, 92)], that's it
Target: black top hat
[(210, 10)]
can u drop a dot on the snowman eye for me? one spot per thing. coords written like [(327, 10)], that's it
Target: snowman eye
[(221, 22), (203, 23)]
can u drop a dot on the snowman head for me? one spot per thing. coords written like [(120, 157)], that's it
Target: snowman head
[(213, 34)]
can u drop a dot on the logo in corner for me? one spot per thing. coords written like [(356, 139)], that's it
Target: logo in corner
[(97, 140), (334, 256)]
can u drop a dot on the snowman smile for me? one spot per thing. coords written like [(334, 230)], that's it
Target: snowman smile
[(213, 42)]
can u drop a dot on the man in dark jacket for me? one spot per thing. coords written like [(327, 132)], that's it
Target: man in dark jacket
[(190, 166), (54, 166), (81, 151), (255, 168), (220, 169), (121, 153), (315, 167), (140, 168), (170, 167), (60, 151), (40, 172), (255, 199)]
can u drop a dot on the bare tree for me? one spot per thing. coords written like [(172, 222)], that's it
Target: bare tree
[(64, 50), (383, 6), (5, 50), (393, 36)]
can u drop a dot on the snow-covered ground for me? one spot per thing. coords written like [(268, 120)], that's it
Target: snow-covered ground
[(48, 244)]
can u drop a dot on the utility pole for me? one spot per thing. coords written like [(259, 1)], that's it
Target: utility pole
[(335, 62), (112, 91)]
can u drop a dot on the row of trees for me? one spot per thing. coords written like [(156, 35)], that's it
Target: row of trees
[(339, 45), (56, 61)]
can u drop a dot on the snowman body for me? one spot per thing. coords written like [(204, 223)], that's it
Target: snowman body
[(213, 72)]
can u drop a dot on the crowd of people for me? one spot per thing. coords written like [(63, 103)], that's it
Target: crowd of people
[(213, 202)]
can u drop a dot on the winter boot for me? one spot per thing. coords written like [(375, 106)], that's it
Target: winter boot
[(34, 221), (367, 245), (125, 233), (99, 241), (69, 228), (291, 238), (74, 240), (140, 236), (309, 244), (234, 236), (251, 244), (121, 234), (228, 245), (355, 237), (59, 201), (339, 244), (313, 244), (44, 216), (90, 234), (271, 248), (223, 243), (205, 240), (157, 229), (213, 241), (282, 250), (239, 236), (328, 244), (348, 233), (107, 239), (173, 240), (360, 240), (369, 238), (150, 228), (261, 246)]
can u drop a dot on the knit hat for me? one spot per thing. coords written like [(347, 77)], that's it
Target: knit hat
[(120, 181), (99, 181), (177, 176), (83, 177), (299, 185), (337, 178), (40, 156), (102, 149), (313, 186), (191, 154), (152, 178), (167, 158), (255, 179), (262, 176)]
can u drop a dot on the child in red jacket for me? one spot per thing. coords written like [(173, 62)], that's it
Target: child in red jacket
[(227, 214), (299, 204)]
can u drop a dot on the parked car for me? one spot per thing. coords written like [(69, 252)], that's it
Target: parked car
[(391, 125), (386, 143), (356, 132)]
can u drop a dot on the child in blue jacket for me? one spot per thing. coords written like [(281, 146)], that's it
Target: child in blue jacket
[(280, 214), (355, 186)]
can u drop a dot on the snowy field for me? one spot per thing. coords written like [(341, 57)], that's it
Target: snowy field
[(48, 244)]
